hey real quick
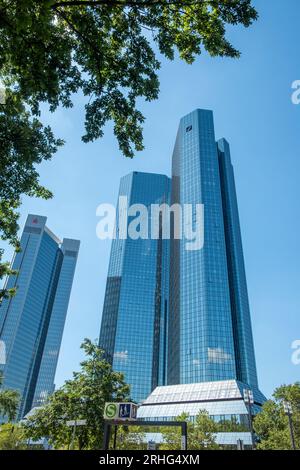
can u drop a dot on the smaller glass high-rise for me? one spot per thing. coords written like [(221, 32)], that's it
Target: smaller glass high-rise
[(135, 313), (32, 322)]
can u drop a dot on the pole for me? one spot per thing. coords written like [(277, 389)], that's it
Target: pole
[(249, 400), (251, 425), (184, 436), (291, 431), (115, 436), (240, 444), (106, 436), (73, 435)]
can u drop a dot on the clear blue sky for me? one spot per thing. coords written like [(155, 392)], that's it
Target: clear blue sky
[(251, 100)]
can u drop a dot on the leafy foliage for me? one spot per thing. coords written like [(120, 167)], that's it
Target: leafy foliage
[(128, 438), (232, 425), (201, 433), (271, 425), (12, 437), (50, 50), (83, 397), (9, 401)]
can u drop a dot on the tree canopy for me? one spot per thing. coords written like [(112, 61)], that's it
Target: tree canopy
[(12, 437), (272, 426), (52, 49), (82, 397), (201, 433), (105, 49), (9, 401), (128, 438)]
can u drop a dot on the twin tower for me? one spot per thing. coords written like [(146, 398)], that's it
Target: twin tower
[(173, 316)]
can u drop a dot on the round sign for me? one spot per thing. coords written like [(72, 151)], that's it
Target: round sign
[(111, 410)]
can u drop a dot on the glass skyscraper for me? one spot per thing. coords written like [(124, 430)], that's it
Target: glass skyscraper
[(210, 335), (134, 321), (175, 317), (32, 322), (211, 361)]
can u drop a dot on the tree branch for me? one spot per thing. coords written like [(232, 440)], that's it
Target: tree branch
[(126, 3)]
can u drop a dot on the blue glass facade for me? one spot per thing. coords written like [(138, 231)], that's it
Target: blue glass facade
[(134, 321), (203, 347), (32, 322), (210, 336), (241, 321), (195, 325), (211, 360)]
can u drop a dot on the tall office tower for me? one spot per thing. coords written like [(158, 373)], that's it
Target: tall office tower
[(211, 337), (32, 322), (211, 358), (241, 321), (134, 321)]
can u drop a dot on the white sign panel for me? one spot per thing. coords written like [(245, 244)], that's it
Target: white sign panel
[(79, 422)]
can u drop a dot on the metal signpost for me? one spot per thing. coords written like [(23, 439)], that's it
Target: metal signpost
[(120, 414), (249, 401), (127, 411), (240, 444), (151, 445), (119, 411), (75, 423), (289, 411)]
